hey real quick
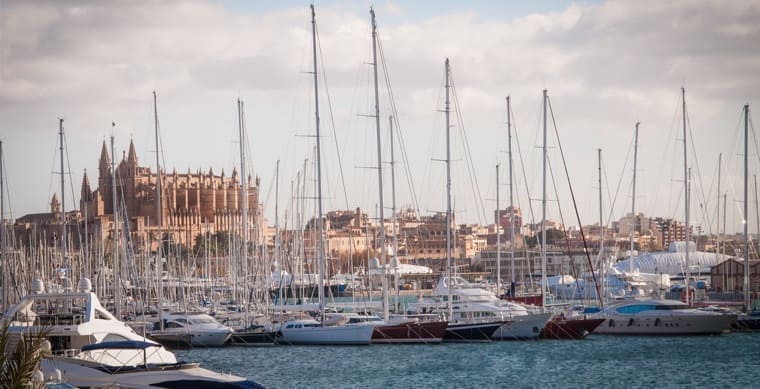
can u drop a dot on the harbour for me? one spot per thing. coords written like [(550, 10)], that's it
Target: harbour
[(598, 361), (328, 255)]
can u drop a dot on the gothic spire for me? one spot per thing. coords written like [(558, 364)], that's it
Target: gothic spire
[(132, 156)]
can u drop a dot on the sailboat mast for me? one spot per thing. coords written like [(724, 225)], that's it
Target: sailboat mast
[(63, 198), (115, 241), (320, 253), (383, 260), (633, 195), (543, 211), (686, 193), (512, 285), (159, 219), (498, 236), (393, 208), (244, 198), (717, 218), (746, 210), (602, 260), (447, 110), (2, 230)]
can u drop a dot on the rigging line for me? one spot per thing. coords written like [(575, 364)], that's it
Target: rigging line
[(575, 206), (613, 200), (564, 230), (332, 118), (401, 141), (7, 190), (701, 190), (478, 197), (522, 168)]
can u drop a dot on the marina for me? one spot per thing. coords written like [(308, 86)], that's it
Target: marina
[(329, 254)]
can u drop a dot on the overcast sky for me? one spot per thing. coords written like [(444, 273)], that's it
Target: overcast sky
[(606, 66)]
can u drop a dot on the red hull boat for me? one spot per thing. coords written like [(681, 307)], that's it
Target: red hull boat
[(414, 332), (559, 328)]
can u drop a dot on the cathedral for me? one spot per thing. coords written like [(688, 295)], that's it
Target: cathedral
[(192, 203)]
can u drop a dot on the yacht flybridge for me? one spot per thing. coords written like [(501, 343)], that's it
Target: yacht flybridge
[(89, 347)]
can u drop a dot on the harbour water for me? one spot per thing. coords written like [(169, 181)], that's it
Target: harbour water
[(730, 360)]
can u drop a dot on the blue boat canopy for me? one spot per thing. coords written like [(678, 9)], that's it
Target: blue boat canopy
[(122, 345)]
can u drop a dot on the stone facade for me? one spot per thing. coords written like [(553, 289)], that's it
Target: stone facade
[(193, 203)]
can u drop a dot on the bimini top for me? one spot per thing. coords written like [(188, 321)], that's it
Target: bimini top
[(120, 345)]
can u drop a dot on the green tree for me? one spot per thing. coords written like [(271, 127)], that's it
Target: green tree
[(18, 363), (553, 236)]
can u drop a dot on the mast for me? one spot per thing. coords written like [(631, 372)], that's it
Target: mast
[(602, 260), (686, 194), (746, 211), (498, 236), (115, 241), (512, 285), (393, 210), (2, 231), (543, 212), (277, 226), (633, 195), (320, 247), (383, 260), (447, 110), (717, 219), (159, 219), (63, 199), (244, 202)]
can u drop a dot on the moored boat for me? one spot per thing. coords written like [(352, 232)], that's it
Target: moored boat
[(89, 347), (662, 317)]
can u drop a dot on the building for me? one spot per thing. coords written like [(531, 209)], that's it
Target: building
[(728, 276), (193, 203)]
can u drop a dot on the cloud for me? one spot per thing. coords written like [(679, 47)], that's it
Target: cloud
[(606, 66)]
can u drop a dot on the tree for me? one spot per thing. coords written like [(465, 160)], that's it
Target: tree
[(17, 365), (553, 236)]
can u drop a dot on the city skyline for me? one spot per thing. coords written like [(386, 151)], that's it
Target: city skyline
[(606, 66)]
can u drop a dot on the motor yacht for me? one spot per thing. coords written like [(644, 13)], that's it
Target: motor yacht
[(662, 317), (190, 329), (88, 347)]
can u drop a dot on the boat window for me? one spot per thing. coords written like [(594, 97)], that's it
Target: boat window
[(172, 324), (114, 338), (636, 308), (181, 320)]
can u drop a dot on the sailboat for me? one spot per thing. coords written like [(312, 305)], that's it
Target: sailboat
[(400, 330), (551, 326), (310, 331), (666, 317), (469, 320), (750, 321), (186, 328)]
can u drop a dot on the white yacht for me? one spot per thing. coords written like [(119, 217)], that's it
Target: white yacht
[(309, 331), (662, 317), (473, 305), (195, 329), (89, 347)]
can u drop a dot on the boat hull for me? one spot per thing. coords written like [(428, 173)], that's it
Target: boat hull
[(707, 324), (252, 338), (471, 332), (419, 332), (81, 373), (195, 339), (569, 328), (330, 335), (522, 327)]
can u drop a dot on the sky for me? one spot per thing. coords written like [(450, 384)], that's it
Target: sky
[(606, 65)]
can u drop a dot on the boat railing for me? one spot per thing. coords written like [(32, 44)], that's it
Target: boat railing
[(59, 319)]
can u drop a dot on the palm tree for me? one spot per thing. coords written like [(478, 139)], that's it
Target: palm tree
[(19, 361)]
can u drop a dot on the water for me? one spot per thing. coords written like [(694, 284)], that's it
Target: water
[(730, 360)]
